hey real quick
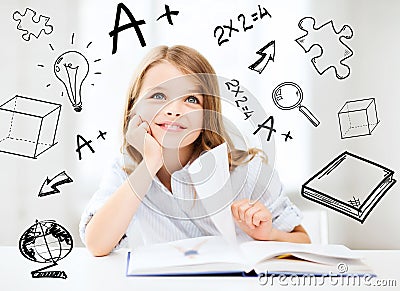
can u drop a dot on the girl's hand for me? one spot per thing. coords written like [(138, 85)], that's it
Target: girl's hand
[(253, 218), (139, 136)]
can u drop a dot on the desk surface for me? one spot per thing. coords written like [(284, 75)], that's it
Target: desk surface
[(86, 272)]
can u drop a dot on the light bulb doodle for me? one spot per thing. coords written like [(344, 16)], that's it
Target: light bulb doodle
[(72, 68)]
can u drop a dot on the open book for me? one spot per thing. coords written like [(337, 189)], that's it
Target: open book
[(213, 255)]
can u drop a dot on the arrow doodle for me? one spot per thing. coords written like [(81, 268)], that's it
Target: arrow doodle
[(267, 54), (49, 186)]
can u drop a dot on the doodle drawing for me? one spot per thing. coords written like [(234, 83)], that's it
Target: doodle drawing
[(28, 126), (358, 118), (267, 54), (72, 68), (288, 95), (31, 26), (50, 186), (349, 184), (46, 242), (332, 50)]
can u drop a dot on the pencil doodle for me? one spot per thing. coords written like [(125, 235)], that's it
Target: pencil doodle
[(288, 95), (28, 126), (332, 50), (358, 118), (267, 54), (49, 186), (349, 184), (30, 26), (46, 242)]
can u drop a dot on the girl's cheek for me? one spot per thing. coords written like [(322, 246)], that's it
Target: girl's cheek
[(146, 111)]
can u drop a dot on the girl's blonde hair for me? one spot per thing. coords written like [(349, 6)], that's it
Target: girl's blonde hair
[(189, 61)]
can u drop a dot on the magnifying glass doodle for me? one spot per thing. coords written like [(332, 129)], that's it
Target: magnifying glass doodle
[(289, 95)]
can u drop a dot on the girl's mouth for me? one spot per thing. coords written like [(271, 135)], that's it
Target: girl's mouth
[(171, 126)]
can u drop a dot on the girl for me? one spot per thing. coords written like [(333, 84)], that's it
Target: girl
[(172, 114)]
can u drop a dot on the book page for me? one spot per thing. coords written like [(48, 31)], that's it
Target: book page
[(187, 252), (211, 178), (257, 251)]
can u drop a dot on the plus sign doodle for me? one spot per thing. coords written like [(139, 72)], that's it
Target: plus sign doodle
[(134, 24), (168, 14), (287, 136)]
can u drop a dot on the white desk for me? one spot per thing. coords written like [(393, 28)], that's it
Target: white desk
[(86, 272)]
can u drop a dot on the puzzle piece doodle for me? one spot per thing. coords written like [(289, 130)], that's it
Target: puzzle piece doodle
[(332, 50), (31, 26)]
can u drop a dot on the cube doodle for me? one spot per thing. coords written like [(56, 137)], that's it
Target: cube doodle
[(358, 118), (28, 126), (31, 26), (332, 50)]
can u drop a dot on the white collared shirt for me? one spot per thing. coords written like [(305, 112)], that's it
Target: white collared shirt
[(164, 216)]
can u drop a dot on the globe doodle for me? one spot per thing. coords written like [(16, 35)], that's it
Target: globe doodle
[(46, 242)]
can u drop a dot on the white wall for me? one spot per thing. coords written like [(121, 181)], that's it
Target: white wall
[(374, 73)]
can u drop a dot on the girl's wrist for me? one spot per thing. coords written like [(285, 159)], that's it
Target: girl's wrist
[(153, 165)]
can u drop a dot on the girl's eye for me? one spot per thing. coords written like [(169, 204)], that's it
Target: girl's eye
[(192, 99), (158, 96)]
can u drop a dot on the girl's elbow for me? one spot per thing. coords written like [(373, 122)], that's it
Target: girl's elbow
[(96, 248)]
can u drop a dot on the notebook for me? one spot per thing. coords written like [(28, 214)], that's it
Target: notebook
[(349, 184)]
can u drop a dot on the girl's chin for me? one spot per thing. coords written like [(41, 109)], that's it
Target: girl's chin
[(175, 140), (169, 142)]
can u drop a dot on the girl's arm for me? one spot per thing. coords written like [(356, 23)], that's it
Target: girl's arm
[(256, 220), (109, 224), (297, 235)]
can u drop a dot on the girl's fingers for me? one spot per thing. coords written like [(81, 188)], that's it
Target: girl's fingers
[(145, 126), (250, 214), (242, 210), (135, 121), (235, 208), (262, 215)]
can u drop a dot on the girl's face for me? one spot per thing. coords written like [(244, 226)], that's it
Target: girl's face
[(172, 104)]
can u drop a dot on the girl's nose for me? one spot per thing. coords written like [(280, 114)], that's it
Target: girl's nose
[(173, 109), (172, 113)]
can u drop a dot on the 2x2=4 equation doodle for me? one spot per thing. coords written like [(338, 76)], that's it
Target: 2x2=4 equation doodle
[(219, 30)]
